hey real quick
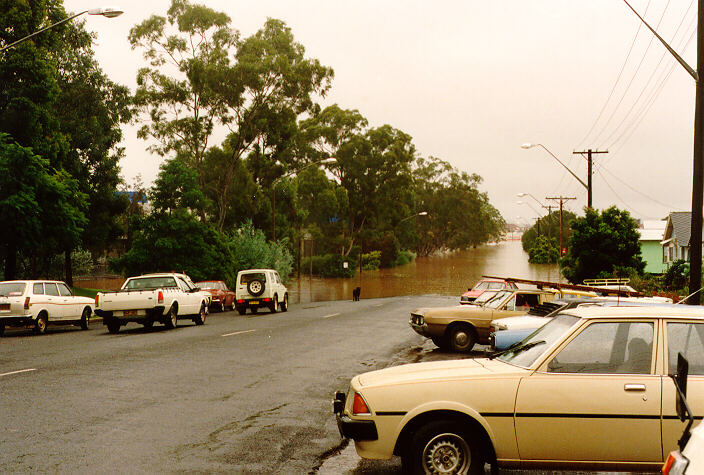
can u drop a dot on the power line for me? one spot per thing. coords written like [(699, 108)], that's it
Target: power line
[(635, 190), (635, 73), (618, 78)]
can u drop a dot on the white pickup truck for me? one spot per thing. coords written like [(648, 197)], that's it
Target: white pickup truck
[(153, 298)]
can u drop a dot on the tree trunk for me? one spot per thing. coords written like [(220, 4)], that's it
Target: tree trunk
[(10, 261), (68, 269)]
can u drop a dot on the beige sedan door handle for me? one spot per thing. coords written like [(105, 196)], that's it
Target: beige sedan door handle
[(634, 387)]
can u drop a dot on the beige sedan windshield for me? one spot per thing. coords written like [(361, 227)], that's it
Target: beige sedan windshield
[(530, 349)]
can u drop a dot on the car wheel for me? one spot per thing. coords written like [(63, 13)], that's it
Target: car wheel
[(85, 316), (440, 342), (255, 287), (233, 307), (40, 324), (462, 338), (274, 307), (2, 329), (172, 317), (200, 318), (148, 323), (241, 310), (442, 447), (254, 310), (284, 304), (222, 306), (113, 326)]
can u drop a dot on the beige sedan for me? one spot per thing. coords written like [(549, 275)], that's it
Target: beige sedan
[(589, 390), (458, 328)]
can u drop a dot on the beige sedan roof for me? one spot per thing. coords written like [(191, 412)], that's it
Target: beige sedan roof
[(669, 311)]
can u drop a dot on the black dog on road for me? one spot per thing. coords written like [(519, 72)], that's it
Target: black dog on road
[(355, 293)]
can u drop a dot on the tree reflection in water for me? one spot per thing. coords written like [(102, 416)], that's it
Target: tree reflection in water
[(448, 274)]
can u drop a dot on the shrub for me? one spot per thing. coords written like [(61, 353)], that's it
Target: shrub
[(405, 257), (371, 260)]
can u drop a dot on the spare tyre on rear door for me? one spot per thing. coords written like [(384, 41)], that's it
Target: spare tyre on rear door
[(256, 287), (260, 288)]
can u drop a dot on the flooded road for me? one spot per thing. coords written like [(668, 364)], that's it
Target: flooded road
[(447, 274)]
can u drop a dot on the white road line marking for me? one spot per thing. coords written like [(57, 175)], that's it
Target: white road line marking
[(16, 372), (238, 333), (378, 305), (331, 315)]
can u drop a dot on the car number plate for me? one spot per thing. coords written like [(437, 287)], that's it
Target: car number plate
[(130, 313), (4, 306), (254, 302)]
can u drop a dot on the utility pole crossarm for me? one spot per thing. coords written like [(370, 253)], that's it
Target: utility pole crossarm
[(589, 153)]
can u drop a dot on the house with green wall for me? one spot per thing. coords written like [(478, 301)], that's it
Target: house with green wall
[(651, 248)]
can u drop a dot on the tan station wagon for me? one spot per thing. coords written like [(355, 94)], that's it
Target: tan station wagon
[(458, 328), (588, 390)]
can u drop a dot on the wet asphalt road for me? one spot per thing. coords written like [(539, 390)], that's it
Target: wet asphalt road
[(240, 394)]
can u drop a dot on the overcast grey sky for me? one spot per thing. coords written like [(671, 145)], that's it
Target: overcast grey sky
[(471, 81)]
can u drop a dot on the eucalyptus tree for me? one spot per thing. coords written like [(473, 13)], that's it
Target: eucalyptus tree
[(376, 170), (56, 102), (459, 215), (202, 75)]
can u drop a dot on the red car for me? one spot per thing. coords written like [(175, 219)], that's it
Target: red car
[(486, 285), (222, 296)]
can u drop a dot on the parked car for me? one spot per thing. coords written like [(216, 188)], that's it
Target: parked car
[(40, 302), (589, 390), (458, 328), (221, 296), (689, 459), (150, 298), (257, 288), (484, 285), (509, 331)]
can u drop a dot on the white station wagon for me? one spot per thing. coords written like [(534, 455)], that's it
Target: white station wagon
[(40, 302), (588, 390)]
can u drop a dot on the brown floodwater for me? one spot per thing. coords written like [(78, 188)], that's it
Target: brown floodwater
[(446, 274)]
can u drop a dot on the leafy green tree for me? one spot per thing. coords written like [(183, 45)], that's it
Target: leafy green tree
[(172, 237), (41, 209), (545, 250), (601, 242), (548, 226), (90, 109), (255, 87), (459, 215), (251, 250), (677, 275), (376, 170)]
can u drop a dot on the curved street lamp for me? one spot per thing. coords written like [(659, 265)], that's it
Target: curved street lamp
[(422, 213), (108, 12), (588, 187), (286, 175), (521, 195)]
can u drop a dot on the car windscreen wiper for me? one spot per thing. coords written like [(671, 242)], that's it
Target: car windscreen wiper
[(516, 347)]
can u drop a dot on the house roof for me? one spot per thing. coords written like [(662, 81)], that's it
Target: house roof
[(653, 230), (679, 226)]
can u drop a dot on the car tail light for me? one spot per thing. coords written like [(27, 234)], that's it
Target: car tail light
[(675, 464), (359, 406), (160, 297), (26, 303), (96, 299), (240, 301), (267, 300)]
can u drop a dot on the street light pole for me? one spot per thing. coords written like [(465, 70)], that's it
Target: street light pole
[(695, 238), (108, 12), (588, 187)]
